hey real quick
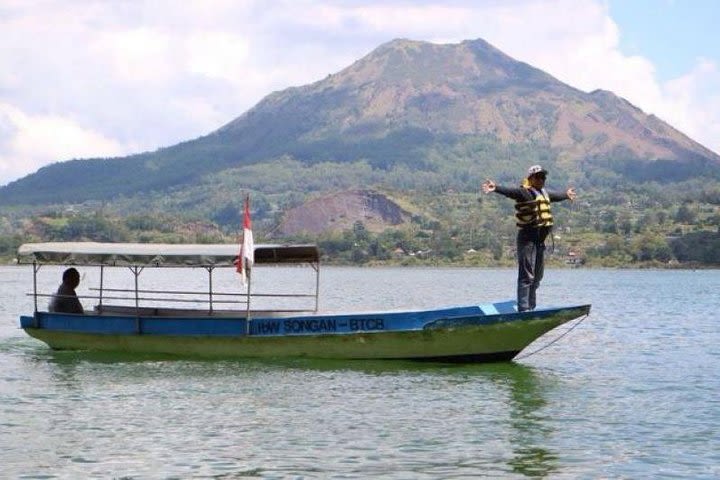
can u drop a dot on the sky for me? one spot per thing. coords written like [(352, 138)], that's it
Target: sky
[(104, 78)]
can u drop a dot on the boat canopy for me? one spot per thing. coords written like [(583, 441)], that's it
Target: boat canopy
[(159, 254)]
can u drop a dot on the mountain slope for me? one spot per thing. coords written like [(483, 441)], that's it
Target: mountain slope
[(405, 104)]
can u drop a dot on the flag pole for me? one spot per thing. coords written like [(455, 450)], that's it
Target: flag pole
[(246, 259), (247, 311)]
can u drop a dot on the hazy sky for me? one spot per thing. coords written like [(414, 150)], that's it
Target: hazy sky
[(102, 78)]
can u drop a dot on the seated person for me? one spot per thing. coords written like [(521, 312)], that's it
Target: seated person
[(65, 300)]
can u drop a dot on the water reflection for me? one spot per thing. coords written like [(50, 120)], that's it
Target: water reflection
[(464, 399), (529, 432)]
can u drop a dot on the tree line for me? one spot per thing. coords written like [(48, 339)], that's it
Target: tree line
[(629, 229)]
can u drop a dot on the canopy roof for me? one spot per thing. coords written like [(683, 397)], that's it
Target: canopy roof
[(159, 254)]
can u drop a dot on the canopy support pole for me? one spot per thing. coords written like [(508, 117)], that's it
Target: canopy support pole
[(316, 266), (102, 272), (136, 272), (36, 267), (210, 288)]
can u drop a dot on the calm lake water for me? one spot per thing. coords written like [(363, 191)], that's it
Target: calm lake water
[(632, 392)]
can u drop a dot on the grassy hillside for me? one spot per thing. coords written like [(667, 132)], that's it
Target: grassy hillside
[(425, 124), (449, 221)]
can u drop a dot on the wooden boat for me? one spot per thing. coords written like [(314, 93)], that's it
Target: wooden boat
[(136, 324)]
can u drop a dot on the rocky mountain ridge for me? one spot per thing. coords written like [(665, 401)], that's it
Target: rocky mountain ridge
[(339, 211)]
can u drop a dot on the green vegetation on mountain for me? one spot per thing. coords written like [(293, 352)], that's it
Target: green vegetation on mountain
[(423, 125)]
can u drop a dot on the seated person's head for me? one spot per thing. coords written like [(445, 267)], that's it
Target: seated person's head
[(71, 277)]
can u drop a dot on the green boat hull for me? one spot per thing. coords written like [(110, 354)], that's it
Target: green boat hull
[(485, 342)]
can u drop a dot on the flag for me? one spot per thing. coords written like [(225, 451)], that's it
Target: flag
[(246, 258)]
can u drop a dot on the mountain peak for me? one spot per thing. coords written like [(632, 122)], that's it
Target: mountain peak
[(472, 63), (407, 103)]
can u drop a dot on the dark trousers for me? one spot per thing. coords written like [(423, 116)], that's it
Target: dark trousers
[(531, 264)]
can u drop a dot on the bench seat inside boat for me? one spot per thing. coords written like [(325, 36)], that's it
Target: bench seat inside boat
[(114, 310)]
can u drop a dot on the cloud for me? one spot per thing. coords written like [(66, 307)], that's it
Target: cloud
[(135, 56), (692, 101), (220, 55), (27, 141), (121, 77)]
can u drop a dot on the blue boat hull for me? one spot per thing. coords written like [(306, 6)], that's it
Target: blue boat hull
[(492, 332)]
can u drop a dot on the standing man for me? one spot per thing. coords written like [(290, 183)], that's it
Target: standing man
[(534, 220)]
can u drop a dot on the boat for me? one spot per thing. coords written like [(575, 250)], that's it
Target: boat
[(215, 324)]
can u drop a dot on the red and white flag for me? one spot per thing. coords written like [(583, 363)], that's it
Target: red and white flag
[(246, 258)]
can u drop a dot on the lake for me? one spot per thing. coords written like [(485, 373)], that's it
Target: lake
[(632, 392)]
